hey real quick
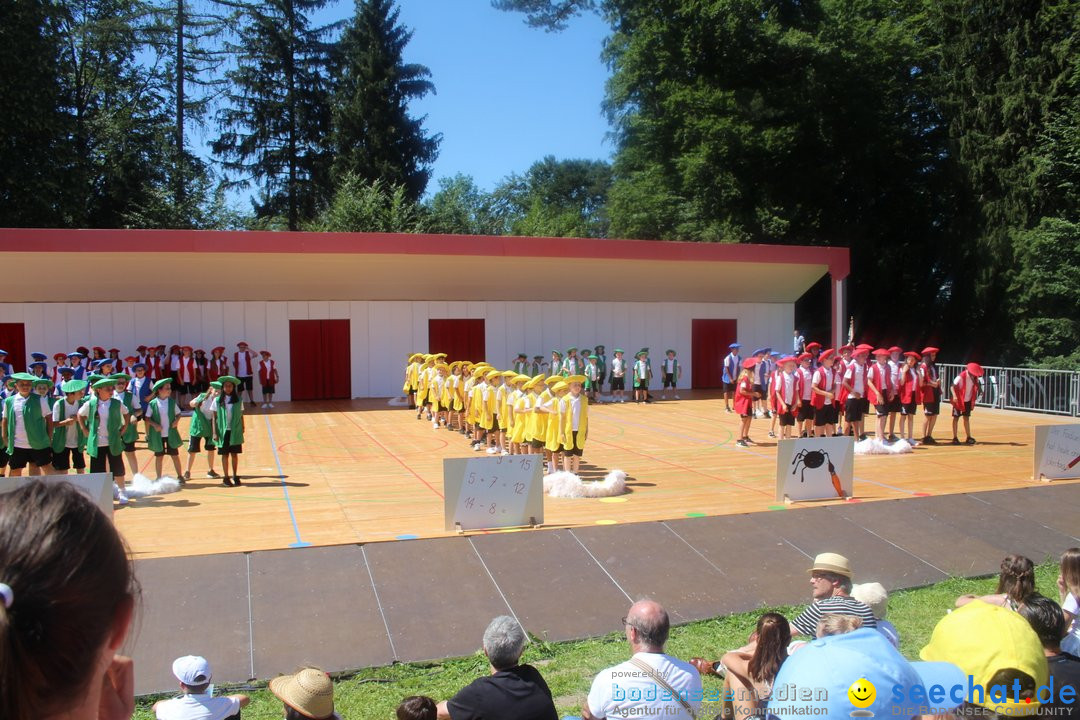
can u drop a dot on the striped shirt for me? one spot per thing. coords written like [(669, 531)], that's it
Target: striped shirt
[(807, 621)]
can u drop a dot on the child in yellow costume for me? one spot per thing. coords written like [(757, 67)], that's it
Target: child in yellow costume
[(554, 439), (521, 435), (574, 409), (423, 377), (412, 372)]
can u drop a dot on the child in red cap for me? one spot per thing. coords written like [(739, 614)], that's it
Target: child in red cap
[(268, 378), (966, 390)]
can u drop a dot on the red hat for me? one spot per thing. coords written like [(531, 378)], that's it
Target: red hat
[(160, 347), (241, 344), (928, 350), (881, 351), (749, 362), (219, 348), (805, 356), (975, 369), (788, 359), (141, 347), (827, 355), (186, 347), (912, 353), (813, 345), (265, 352), (83, 349), (860, 351), (896, 348), (98, 348), (848, 347), (173, 347), (199, 350), (864, 346), (130, 359), (115, 350), (59, 356)]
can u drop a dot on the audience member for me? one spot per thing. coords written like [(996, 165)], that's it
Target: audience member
[(995, 647), (830, 625), (825, 679), (830, 578), (873, 595), (651, 683), (1068, 583), (307, 695), (66, 598), (1048, 621), (512, 690), (417, 707), (749, 671), (196, 702), (1016, 583)]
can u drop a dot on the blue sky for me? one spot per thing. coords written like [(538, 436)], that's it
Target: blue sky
[(508, 94)]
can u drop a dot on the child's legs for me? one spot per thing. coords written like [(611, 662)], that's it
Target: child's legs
[(132, 461), (967, 426), (159, 460)]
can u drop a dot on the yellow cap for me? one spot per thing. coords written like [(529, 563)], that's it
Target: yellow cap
[(575, 379), (982, 639), (552, 380), (559, 387)]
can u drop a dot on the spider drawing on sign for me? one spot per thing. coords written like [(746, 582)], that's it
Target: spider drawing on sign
[(814, 459)]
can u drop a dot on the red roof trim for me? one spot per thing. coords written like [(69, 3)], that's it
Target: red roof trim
[(225, 241)]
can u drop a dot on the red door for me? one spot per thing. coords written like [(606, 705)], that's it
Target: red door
[(13, 339), (459, 339), (709, 342), (320, 363)]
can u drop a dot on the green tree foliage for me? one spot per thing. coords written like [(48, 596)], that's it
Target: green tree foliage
[(1045, 292), (374, 137), (34, 121), (276, 126), (361, 205), (556, 198), (459, 207)]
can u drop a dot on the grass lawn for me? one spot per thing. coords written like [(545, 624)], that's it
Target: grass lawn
[(568, 667)]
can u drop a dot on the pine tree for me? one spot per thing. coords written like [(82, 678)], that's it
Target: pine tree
[(276, 126), (375, 138)]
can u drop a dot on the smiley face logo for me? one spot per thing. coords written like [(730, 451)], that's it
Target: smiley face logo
[(862, 693)]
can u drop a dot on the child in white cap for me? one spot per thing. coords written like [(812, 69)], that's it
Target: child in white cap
[(197, 702)]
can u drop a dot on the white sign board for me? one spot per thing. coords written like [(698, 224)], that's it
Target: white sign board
[(815, 468), (493, 492), (1057, 452), (96, 486)]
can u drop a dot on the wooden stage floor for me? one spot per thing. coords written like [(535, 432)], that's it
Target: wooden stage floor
[(340, 472)]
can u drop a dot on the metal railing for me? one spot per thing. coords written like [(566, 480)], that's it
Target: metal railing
[(1031, 389)]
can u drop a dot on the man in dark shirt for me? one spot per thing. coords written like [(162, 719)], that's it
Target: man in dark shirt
[(1048, 621), (512, 691)]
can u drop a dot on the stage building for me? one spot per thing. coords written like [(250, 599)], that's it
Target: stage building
[(341, 311)]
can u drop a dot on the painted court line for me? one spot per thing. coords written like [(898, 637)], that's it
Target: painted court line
[(601, 566), (391, 454), (496, 584), (378, 602), (285, 488)]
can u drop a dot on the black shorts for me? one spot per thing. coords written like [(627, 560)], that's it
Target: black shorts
[(129, 447), (618, 383), (806, 412), (932, 408), (882, 409), (115, 462), (67, 458), (787, 419), (537, 444), (966, 412), (729, 387), (195, 444), (268, 389), (909, 408), (246, 382), (641, 384), (184, 388), (167, 448), (894, 405), (20, 457), (4, 457), (670, 380), (228, 449), (572, 451), (600, 378), (825, 415), (495, 426), (853, 409), (757, 389)]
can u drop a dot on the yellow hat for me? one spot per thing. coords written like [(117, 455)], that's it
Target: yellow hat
[(439, 355), (509, 373), (480, 370), (575, 379), (540, 377), (416, 356), (491, 372), (559, 387), (530, 384), (553, 379), (428, 356), (983, 639), (442, 366), (522, 378)]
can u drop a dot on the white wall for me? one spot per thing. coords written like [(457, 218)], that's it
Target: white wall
[(384, 333)]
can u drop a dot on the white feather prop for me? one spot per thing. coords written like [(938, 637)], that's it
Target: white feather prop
[(569, 485), (873, 446), (141, 486)]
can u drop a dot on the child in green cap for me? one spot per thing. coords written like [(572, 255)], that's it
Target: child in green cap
[(228, 410), (162, 418), (202, 428), (27, 428), (68, 440), (103, 419)]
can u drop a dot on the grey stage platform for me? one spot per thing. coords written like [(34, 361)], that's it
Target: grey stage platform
[(255, 615)]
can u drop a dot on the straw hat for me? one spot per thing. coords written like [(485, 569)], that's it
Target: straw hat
[(310, 692), (831, 562)]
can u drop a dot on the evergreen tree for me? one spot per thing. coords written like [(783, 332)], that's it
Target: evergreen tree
[(33, 124), (374, 136), (277, 122)]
